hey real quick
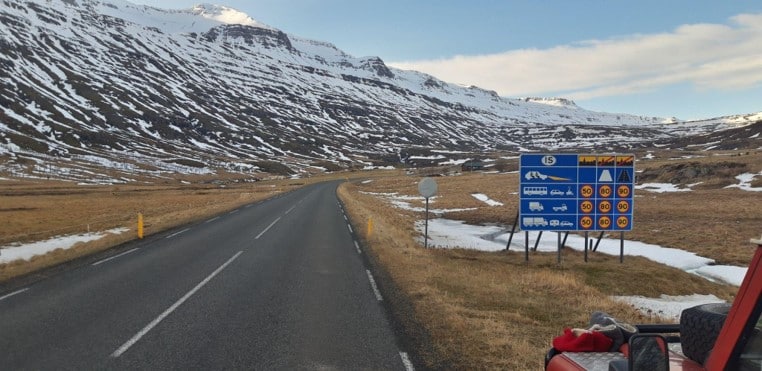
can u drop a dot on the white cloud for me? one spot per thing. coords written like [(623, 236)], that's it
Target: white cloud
[(708, 56)]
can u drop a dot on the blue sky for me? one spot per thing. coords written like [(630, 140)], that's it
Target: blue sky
[(689, 59)]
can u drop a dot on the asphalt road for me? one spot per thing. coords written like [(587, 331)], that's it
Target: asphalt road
[(276, 285)]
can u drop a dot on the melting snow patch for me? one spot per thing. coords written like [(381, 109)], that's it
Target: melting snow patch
[(484, 198), (666, 306), (745, 182), (661, 187), (10, 253)]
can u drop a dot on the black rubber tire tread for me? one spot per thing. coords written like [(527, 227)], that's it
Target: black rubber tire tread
[(699, 328)]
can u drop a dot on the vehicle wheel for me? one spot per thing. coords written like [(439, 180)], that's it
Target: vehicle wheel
[(699, 328)]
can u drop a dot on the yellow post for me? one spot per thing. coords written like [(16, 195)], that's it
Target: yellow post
[(140, 225), (370, 226)]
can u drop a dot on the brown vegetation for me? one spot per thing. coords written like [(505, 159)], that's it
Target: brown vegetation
[(34, 211), (480, 310)]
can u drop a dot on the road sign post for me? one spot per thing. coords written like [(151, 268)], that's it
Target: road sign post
[(427, 187), (576, 192)]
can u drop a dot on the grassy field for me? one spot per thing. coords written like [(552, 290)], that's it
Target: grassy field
[(480, 310), (38, 210)]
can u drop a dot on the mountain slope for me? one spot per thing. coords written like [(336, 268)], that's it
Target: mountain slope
[(89, 84)]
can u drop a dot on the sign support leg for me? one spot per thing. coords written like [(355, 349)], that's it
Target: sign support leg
[(600, 237), (526, 246), (621, 247), (426, 228), (513, 230), (537, 243), (586, 244), (559, 248)]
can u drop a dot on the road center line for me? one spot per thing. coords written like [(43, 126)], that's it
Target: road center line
[(406, 362), (126, 346), (175, 234), (374, 286), (115, 256), (13, 294), (290, 210), (267, 229)]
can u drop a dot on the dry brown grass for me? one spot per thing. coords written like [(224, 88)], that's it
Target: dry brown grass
[(34, 211), (494, 311)]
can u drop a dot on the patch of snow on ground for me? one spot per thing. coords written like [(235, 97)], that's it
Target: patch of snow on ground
[(403, 202), (666, 306), (10, 253), (484, 198), (745, 182), (661, 187), (444, 233)]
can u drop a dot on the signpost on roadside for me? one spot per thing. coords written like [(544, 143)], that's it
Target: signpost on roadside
[(563, 192), (427, 187)]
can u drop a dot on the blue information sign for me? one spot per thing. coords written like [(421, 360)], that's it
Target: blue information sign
[(573, 192)]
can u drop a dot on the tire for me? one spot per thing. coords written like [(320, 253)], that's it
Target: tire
[(699, 328)]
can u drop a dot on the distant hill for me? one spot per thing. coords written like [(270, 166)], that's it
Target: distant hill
[(110, 90)]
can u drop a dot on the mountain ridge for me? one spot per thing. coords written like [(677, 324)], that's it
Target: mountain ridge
[(84, 88)]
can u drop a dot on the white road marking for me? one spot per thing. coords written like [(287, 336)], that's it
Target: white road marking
[(126, 346), (13, 294), (345, 217), (115, 256), (406, 362), (175, 234), (357, 246), (233, 212), (374, 286), (350, 228), (267, 229), (290, 210), (212, 219)]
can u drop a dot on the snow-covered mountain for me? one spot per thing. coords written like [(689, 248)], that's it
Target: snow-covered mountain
[(90, 84)]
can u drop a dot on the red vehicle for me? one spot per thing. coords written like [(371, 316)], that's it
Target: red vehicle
[(710, 337)]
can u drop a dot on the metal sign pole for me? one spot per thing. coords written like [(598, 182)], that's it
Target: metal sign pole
[(526, 246), (600, 237), (621, 247), (586, 244), (537, 243), (513, 230), (559, 248), (427, 187), (426, 233)]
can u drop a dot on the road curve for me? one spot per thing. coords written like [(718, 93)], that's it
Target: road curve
[(275, 285)]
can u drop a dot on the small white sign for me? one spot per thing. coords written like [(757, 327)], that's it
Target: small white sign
[(427, 187)]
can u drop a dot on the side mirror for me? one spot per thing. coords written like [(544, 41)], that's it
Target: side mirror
[(648, 352)]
